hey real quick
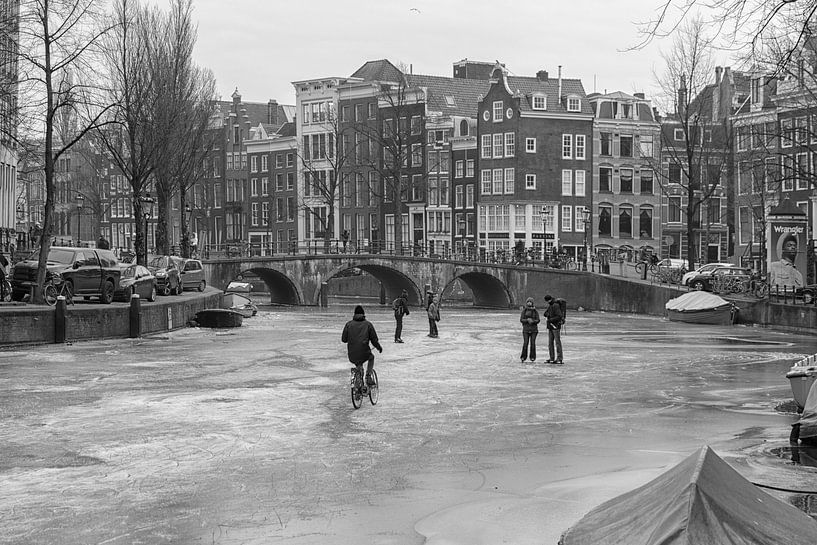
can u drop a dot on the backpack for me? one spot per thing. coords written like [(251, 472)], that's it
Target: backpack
[(563, 307), (397, 307)]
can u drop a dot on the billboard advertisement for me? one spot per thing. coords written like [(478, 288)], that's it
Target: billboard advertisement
[(787, 254)]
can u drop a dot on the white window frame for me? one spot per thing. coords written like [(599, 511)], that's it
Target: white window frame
[(579, 219), (487, 146), (510, 144), (580, 180), (499, 145), (574, 104), (469, 168), (567, 218), (530, 181), (530, 145), (509, 181), (459, 168), (567, 181), (254, 163), (498, 108), (498, 183), (678, 135), (567, 146), (539, 102), (264, 163), (580, 146), (485, 182)]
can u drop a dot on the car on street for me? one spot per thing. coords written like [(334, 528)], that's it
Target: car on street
[(733, 277), (192, 274), (166, 270), (136, 279), (672, 263), (703, 269)]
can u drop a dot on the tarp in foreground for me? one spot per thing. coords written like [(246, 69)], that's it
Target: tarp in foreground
[(701, 501), (808, 420)]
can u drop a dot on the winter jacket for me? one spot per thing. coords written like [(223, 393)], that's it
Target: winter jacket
[(400, 307), (357, 334), (553, 314), (434, 311), (529, 319)]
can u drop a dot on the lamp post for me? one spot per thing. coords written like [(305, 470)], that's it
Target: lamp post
[(586, 212), (147, 212), (545, 214), (80, 203)]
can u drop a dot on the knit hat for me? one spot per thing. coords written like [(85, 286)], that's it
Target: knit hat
[(548, 298), (359, 310), (529, 301)]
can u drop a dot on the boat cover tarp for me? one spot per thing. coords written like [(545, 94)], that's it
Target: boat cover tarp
[(696, 300), (808, 420), (701, 501), (235, 300)]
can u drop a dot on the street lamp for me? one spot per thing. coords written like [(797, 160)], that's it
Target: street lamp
[(545, 214), (147, 212), (586, 213), (80, 203)]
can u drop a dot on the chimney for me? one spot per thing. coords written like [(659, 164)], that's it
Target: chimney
[(639, 95), (718, 71), (559, 92), (542, 75), (272, 112), (236, 96)]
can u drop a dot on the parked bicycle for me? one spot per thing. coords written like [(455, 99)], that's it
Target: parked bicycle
[(52, 291), (5, 290), (359, 388)]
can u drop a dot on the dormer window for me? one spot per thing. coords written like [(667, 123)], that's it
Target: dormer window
[(540, 102), (449, 101), (574, 104)]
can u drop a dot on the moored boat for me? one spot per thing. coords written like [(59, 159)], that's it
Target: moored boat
[(801, 376), (219, 317), (239, 303), (701, 307)]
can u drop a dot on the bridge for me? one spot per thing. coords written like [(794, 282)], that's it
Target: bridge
[(300, 279)]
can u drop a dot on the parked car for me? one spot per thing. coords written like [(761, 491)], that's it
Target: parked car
[(87, 271), (672, 263), (720, 275), (703, 269), (136, 279), (166, 270), (192, 274)]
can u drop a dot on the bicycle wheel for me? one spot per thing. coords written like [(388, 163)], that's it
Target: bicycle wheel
[(761, 290), (50, 294), (374, 389), (357, 388), (639, 267)]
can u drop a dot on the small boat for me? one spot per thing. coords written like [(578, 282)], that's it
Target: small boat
[(239, 287), (219, 317), (239, 303), (801, 376), (701, 307)]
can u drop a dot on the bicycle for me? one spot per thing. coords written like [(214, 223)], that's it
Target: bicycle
[(5, 290), (359, 390), (52, 291)]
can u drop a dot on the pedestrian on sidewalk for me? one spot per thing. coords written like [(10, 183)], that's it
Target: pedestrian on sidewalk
[(433, 315), (553, 315), (530, 329), (400, 306)]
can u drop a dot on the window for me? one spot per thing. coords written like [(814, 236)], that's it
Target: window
[(713, 210), (605, 221), (626, 180), (469, 168), (674, 209), (567, 218), (574, 104), (371, 107), (567, 182), (787, 130), (459, 169), (645, 223), (510, 144), (530, 181), (265, 186), (509, 181), (674, 173), (498, 110), (486, 146), (416, 155), (646, 145), (254, 163), (625, 222), (530, 145), (678, 135), (290, 160), (802, 171), (580, 147), (626, 146), (743, 138), (580, 186), (540, 102), (264, 164), (567, 146), (254, 187), (290, 181), (497, 187), (605, 143), (498, 145), (486, 182), (458, 196), (416, 124), (646, 182), (605, 179), (469, 196)]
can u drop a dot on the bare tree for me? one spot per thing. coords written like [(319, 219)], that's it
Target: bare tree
[(59, 91), (694, 144)]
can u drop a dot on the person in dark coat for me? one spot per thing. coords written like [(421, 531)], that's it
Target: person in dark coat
[(433, 312), (530, 329), (553, 314), (357, 334), (103, 244), (400, 309)]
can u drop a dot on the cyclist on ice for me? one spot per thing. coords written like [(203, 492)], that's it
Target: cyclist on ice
[(357, 334)]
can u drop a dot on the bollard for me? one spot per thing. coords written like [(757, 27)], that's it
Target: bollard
[(324, 294), (382, 294), (644, 271), (135, 316), (59, 320)]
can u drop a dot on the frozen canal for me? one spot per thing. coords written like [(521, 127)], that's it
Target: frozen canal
[(248, 436)]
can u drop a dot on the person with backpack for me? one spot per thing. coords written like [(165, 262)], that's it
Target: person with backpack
[(357, 334), (530, 329), (400, 307), (555, 319)]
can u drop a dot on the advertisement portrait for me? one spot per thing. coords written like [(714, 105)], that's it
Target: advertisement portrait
[(787, 254)]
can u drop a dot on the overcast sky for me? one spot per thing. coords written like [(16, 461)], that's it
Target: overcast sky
[(262, 46)]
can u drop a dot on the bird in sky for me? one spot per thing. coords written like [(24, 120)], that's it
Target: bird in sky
[(415, 9)]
